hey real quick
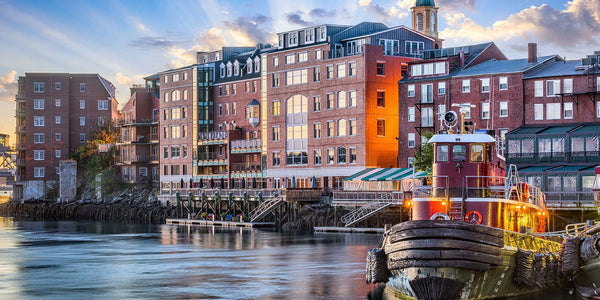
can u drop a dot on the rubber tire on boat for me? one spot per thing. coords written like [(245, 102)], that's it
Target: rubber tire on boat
[(439, 216)]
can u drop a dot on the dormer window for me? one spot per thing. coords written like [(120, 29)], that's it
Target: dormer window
[(309, 36), (236, 68), (249, 65), (229, 69), (293, 38), (281, 41), (256, 64), (222, 67), (323, 33)]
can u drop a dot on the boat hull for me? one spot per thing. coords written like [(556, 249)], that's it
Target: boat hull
[(440, 259)]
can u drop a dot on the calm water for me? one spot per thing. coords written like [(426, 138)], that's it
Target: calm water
[(77, 260)]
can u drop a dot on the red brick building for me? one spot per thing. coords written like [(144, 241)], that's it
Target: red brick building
[(56, 113), (138, 150)]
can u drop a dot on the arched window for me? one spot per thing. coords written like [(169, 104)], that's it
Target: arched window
[(175, 95), (419, 22), (222, 67)]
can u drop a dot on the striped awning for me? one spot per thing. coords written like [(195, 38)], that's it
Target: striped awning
[(385, 174)]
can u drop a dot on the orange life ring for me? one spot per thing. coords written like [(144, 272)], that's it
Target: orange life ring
[(439, 216), (473, 217)]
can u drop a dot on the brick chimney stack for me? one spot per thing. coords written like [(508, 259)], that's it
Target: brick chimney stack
[(532, 52)]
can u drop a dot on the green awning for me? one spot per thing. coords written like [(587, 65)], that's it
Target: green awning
[(376, 175), (358, 174), (534, 169), (569, 169), (385, 174), (557, 130), (587, 129), (526, 130)]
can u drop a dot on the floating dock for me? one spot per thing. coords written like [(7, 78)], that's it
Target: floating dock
[(349, 229), (218, 223)]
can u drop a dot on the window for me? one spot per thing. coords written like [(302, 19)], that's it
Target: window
[(57, 119), (352, 153), (175, 152), (568, 110), (352, 69), (317, 156), (330, 156), (290, 59), (102, 104), (411, 114), (414, 48), (165, 152), (341, 155), (485, 110), (297, 130), (476, 153), (411, 90), (352, 127), (380, 127), (441, 111), (427, 69), (568, 85), (441, 153), (57, 153), (341, 70), (275, 61), (552, 111), (176, 112), (380, 68), (466, 86), (390, 47), (81, 121), (276, 159), (276, 133), (330, 128), (538, 111), (427, 93), (302, 57), (38, 121), (318, 55), (317, 130), (341, 99), (352, 96), (39, 172), (226, 91), (220, 110), (39, 154), (411, 140), (57, 136), (82, 87), (380, 98), (416, 70), (330, 72), (317, 74), (39, 87), (330, 101), (440, 68), (427, 117), (100, 121), (57, 86), (317, 103), (38, 103), (503, 108), (275, 83), (292, 78), (82, 137), (459, 153), (184, 132), (175, 132), (292, 38), (485, 85), (441, 88), (276, 107), (503, 83), (597, 109), (234, 89), (552, 88), (341, 127), (57, 102), (38, 138), (256, 64)]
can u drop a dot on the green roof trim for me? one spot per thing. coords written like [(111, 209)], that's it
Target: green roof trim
[(534, 169), (557, 130), (588, 129)]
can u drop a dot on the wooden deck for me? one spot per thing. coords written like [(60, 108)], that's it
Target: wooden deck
[(349, 229), (219, 223)]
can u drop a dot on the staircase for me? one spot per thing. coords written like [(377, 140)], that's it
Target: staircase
[(265, 208), (367, 210), (455, 210)]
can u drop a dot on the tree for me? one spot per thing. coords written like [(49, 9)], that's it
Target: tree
[(424, 157)]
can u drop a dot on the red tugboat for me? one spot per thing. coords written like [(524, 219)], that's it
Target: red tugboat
[(469, 235)]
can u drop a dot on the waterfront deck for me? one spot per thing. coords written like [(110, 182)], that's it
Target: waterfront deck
[(219, 223), (349, 229)]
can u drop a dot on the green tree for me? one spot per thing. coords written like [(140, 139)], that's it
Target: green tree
[(424, 156)]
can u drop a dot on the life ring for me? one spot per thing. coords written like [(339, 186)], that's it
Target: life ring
[(439, 216), (473, 217)]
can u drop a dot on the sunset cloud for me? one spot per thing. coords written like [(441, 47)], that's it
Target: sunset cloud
[(8, 86)]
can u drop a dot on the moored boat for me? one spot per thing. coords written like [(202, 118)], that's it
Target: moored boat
[(470, 234)]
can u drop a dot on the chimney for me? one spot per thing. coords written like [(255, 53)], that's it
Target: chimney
[(461, 53), (532, 53)]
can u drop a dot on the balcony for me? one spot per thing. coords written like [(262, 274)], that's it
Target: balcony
[(244, 168), (20, 130), (246, 146), (210, 159), (154, 138), (212, 137), (20, 112), (20, 97), (134, 122)]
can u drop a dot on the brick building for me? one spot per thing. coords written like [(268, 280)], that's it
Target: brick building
[(56, 113), (138, 123)]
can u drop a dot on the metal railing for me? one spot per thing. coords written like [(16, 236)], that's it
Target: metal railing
[(440, 191), (354, 198), (213, 135), (266, 207), (255, 143), (208, 156), (368, 209), (242, 167)]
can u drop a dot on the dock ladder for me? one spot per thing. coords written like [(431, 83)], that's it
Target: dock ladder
[(367, 210), (266, 207), (455, 210)]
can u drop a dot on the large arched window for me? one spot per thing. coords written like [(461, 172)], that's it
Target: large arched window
[(297, 130), (175, 95), (419, 22)]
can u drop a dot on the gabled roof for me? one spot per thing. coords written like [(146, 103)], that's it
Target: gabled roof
[(108, 86), (254, 102), (559, 68), (387, 30), (494, 66)]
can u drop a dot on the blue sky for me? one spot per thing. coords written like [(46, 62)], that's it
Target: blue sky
[(127, 40)]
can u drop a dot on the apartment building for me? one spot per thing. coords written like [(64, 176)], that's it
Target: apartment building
[(55, 114), (138, 123)]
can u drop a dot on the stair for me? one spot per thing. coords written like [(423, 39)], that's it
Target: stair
[(265, 208), (455, 210), (367, 210)]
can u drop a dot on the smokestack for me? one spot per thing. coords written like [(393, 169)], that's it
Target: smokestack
[(532, 53), (462, 57)]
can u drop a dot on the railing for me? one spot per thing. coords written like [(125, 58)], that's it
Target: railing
[(130, 121), (355, 198), (213, 135), (20, 129), (255, 143), (208, 156), (568, 156), (242, 167), (266, 207), (570, 200), (368, 209), (440, 191), (154, 137)]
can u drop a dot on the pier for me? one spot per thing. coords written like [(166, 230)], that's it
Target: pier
[(198, 222)]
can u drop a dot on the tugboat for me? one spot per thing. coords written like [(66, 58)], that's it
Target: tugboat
[(469, 236)]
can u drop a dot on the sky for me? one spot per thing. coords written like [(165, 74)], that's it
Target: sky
[(124, 41)]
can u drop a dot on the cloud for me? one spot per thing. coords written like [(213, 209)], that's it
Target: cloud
[(122, 79), (152, 41), (575, 27), (296, 19), (321, 13), (400, 10), (364, 2), (8, 86), (455, 5), (142, 27)]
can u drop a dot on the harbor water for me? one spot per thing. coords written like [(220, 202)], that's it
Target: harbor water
[(92, 260)]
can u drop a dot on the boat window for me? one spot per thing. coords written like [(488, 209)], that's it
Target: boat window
[(459, 153), (476, 153), (441, 153)]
